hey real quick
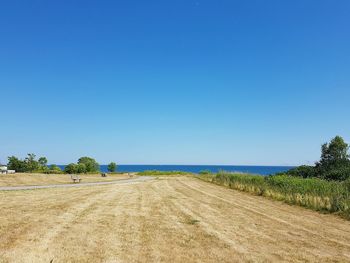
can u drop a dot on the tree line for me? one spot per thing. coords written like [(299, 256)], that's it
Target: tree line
[(334, 163), (31, 164)]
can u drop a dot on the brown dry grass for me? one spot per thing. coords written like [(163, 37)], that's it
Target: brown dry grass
[(165, 220), (46, 179)]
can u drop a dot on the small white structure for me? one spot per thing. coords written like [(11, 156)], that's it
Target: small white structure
[(4, 170)]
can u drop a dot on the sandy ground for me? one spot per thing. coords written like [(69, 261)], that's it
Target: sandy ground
[(165, 220), (46, 179)]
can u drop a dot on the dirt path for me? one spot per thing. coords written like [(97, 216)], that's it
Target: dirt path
[(166, 220), (33, 187)]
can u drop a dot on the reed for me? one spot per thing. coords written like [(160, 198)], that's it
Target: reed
[(313, 193)]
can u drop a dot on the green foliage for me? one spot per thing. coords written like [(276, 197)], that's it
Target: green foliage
[(314, 193), (304, 171), (74, 168), (334, 163), (112, 167), (81, 168), (42, 161), (157, 173), (91, 166), (16, 164), (84, 165), (335, 151), (340, 173), (29, 164), (54, 169), (71, 168)]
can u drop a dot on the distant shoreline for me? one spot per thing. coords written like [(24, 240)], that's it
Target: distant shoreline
[(252, 169)]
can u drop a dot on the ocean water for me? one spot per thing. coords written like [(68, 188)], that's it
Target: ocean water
[(262, 170)]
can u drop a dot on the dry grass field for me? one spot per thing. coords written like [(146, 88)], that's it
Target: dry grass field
[(164, 220), (45, 179)]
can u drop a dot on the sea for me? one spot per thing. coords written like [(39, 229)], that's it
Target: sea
[(262, 170)]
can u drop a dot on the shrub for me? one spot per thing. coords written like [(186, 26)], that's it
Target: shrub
[(81, 168), (91, 166), (112, 167), (54, 169), (304, 171), (71, 168), (334, 163), (337, 173), (29, 164)]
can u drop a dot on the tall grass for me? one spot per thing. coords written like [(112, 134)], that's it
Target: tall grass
[(317, 194)]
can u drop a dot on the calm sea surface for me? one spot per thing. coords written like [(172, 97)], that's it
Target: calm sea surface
[(263, 170)]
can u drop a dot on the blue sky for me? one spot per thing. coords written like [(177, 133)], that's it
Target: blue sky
[(174, 82)]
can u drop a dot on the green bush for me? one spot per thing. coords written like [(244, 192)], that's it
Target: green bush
[(71, 168), (334, 163), (29, 164), (112, 167), (337, 173), (81, 168), (91, 166), (304, 171)]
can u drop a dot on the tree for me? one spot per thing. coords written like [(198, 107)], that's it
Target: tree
[(71, 168), (90, 164), (16, 164), (112, 167), (31, 163), (42, 161), (334, 163), (335, 151), (81, 168)]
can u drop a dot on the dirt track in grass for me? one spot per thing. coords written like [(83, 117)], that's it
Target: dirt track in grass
[(165, 220)]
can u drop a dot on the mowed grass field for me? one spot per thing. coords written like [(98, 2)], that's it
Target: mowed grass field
[(21, 179), (177, 219)]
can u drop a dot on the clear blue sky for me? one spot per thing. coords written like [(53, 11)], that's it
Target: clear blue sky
[(174, 82)]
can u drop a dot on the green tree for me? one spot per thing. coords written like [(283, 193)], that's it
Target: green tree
[(16, 164), (112, 167), (71, 168), (91, 165), (42, 161), (31, 163), (81, 168), (334, 163), (334, 152)]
